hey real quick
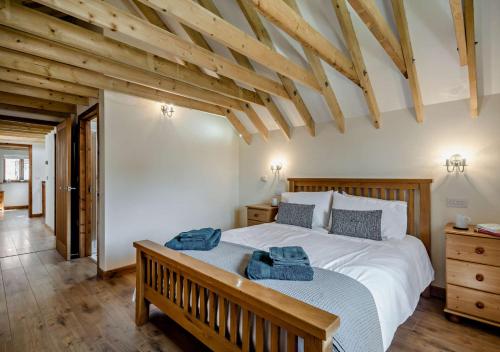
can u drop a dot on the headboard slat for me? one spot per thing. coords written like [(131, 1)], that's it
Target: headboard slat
[(416, 192)]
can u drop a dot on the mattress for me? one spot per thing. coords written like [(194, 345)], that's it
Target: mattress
[(394, 271)]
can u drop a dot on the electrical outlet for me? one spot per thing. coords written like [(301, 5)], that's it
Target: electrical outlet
[(457, 203)]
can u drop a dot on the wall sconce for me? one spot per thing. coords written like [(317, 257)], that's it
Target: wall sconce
[(456, 163), (167, 110), (276, 167)]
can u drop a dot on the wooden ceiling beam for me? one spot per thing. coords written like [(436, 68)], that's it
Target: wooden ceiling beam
[(459, 25), (48, 68), (153, 17), (34, 103), (15, 76), (233, 119), (322, 78), (287, 19), (205, 21), (107, 16), (42, 93), (6, 125), (353, 45), (29, 120), (262, 35), (404, 35), (242, 60), (373, 19), (4, 134), (6, 120), (471, 56), (91, 42), (13, 39)]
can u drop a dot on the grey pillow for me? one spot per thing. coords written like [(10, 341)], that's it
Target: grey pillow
[(295, 214), (357, 223)]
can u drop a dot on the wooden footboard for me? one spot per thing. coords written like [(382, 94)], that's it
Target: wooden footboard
[(223, 310)]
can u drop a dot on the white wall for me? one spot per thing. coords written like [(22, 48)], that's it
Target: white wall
[(158, 178), (49, 176), (401, 148)]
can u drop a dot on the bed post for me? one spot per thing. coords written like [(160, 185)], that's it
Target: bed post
[(141, 304), (425, 215)]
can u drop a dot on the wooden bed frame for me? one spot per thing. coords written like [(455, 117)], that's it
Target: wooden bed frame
[(230, 313)]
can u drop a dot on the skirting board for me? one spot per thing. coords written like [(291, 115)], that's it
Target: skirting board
[(438, 292), (14, 207), (40, 215), (109, 274)]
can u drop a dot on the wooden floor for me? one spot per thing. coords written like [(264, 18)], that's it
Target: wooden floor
[(19, 234), (47, 304)]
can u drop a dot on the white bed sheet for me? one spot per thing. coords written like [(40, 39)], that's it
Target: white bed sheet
[(394, 271)]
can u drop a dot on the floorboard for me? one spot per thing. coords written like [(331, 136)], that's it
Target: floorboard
[(48, 304)]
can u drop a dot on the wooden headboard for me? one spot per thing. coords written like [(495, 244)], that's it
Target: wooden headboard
[(416, 192)]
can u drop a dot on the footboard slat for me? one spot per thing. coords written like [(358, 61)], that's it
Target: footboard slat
[(233, 325), (222, 317), (223, 310)]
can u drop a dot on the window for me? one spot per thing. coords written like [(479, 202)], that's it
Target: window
[(16, 170)]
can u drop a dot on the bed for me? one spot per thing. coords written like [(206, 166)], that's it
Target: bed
[(198, 290)]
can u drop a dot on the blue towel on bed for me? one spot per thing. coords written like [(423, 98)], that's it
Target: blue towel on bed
[(292, 255), (195, 244), (260, 267), (196, 235)]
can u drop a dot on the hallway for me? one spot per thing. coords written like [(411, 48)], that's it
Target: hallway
[(20, 235)]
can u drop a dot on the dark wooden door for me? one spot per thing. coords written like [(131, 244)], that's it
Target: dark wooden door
[(63, 189)]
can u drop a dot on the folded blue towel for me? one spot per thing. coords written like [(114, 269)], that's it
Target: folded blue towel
[(196, 235), (260, 267), (195, 245), (292, 255)]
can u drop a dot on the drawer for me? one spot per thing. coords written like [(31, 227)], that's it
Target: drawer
[(473, 249), (259, 215), (480, 304), (478, 276), (253, 222)]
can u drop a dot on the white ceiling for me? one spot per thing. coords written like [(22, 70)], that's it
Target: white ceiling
[(432, 34)]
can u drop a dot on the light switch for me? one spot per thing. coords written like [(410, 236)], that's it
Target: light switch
[(457, 203)]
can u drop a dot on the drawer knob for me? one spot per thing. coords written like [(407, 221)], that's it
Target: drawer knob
[(479, 250), (256, 215), (479, 277), (479, 304)]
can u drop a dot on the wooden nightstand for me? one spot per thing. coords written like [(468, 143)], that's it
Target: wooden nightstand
[(260, 214), (472, 275)]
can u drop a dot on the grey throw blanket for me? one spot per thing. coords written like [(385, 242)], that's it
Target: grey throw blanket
[(330, 291)]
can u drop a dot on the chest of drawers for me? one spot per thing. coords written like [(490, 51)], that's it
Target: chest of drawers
[(473, 275)]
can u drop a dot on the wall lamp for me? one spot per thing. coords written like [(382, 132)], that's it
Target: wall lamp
[(276, 167), (167, 110), (456, 163)]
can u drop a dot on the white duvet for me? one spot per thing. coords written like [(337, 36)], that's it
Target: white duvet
[(394, 271)]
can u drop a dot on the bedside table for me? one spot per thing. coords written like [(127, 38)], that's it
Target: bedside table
[(472, 275), (260, 214)]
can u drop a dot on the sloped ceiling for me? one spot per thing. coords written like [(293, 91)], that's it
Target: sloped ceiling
[(441, 77)]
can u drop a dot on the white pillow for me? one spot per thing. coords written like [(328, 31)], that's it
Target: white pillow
[(322, 204), (394, 216)]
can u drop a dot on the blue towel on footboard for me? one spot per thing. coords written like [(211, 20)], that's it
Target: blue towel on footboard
[(201, 244), (291, 255), (333, 292), (261, 267)]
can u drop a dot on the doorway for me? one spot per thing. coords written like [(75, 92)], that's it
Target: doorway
[(89, 182), (17, 170)]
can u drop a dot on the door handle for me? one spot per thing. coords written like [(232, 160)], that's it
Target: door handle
[(69, 188)]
